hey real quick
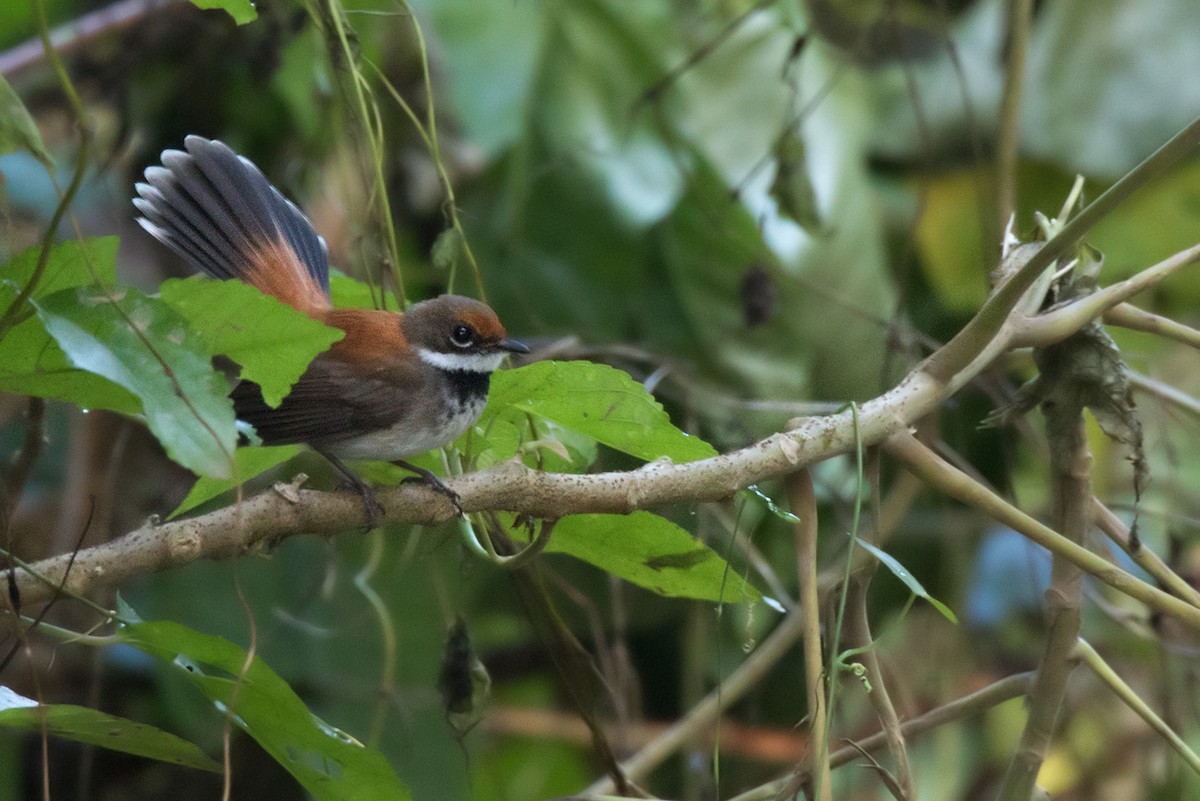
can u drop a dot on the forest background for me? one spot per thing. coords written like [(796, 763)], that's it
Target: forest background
[(784, 232)]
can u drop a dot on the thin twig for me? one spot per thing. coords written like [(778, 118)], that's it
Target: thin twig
[(1126, 315), (940, 475), (966, 346), (1009, 126), (12, 485), (976, 703), (79, 32), (1164, 392), (704, 714), (858, 629), (16, 475), (1108, 522), (656, 89), (329, 16), (1134, 701), (1057, 325), (12, 314)]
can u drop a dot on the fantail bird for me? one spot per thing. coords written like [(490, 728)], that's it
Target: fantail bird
[(395, 385)]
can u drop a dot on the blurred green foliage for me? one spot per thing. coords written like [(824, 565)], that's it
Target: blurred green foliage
[(750, 207)]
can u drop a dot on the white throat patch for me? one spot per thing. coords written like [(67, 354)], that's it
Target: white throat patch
[(462, 362)]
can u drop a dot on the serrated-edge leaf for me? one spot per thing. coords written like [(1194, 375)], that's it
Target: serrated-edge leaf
[(600, 401), (85, 725), (70, 263), (346, 291), (272, 342), (143, 345), (901, 572), (31, 363)]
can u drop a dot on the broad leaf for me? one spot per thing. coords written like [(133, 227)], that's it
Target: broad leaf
[(270, 340), (31, 363), (70, 263), (651, 552), (329, 764), (248, 462), (599, 401), (347, 292), (543, 444), (90, 726), (143, 345)]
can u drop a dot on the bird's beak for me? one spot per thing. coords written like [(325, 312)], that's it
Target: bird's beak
[(512, 346)]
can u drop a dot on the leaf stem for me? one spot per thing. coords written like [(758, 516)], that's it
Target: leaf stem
[(1008, 129), (9, 317)]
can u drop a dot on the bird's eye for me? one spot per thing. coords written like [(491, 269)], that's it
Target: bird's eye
[(462, 336)]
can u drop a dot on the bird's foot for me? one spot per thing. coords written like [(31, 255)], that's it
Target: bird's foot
[(434, 483), (371, 506)]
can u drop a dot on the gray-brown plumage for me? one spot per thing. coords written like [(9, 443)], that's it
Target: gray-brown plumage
[(395, 385)]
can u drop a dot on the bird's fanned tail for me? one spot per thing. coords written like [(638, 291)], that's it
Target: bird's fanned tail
[(218, 211)]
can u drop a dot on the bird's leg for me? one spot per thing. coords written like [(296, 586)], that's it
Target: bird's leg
[(371, 504), (433, 482)]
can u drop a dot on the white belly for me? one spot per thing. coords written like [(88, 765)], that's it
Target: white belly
[(408, 437)]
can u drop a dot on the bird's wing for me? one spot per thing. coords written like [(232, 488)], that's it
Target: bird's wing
[(329, 403)]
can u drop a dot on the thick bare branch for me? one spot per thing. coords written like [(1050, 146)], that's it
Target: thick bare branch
[(1071, 474), (289, 510)]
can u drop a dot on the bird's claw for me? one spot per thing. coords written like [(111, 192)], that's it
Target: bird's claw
[(371, 506), (437, 485), (433, 482)]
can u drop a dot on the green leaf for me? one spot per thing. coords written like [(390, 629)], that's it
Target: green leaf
[(31, 363), (242, 11), (600, 401), (491, 441), (326, 762), (247, 463), (71, 263), (143, 345), (84, 725), (17, 129), (651, 552), (347, 292), (910, 581), (502, 433), (270, 340)]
